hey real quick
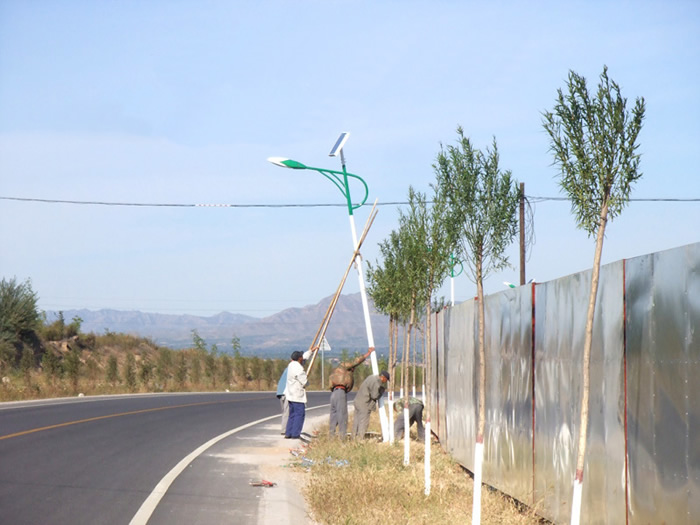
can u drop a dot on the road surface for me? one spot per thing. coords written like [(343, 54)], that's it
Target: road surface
[(99, 459)]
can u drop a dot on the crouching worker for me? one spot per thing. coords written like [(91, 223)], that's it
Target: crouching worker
[(341, 382), (415, 415), (365, 402)]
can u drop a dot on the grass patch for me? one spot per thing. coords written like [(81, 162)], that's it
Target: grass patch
[(353, 483)]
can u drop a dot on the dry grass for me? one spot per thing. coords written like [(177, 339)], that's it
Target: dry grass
[(375, 487)]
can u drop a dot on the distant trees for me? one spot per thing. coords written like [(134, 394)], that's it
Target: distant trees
[(42, 358)]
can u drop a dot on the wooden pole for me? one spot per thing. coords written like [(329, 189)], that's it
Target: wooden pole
[(321, 332)]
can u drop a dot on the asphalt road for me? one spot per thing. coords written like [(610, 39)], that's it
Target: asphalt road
[(96, 460)]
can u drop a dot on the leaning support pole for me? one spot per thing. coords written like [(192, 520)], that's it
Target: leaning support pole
[(321, 332)]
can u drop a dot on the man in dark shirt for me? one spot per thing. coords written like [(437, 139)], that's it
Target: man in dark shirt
[(341, 382)]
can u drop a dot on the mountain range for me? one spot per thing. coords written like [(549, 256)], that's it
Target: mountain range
[(274, 336)]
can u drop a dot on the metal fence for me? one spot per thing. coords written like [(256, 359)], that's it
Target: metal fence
[(643, 456)]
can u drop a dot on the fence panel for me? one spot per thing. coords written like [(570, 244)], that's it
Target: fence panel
[(508, 434), (663, 363), (643, 456), (460, 415)]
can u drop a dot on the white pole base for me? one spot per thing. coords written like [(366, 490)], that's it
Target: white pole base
[(427, 458), (576, 503), (478, 470)]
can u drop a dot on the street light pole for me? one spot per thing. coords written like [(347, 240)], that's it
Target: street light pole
[(341, 181)]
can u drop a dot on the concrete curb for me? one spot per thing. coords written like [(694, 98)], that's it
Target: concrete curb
[(284, 504)]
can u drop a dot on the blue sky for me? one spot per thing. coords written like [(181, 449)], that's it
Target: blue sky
[(182, 102)]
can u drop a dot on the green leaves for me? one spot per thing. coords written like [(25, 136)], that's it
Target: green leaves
[(594, 143), (482, 202)]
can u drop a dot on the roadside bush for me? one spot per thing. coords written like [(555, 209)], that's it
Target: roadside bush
[(19, 319)]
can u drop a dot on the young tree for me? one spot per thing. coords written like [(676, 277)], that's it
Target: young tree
[(129, 370), (256, 367), (72, 365), (390, 293), (594, 142), (164, 367), (146, 373), (268, 371), (413, 234), (112, 370), (211, 364), (19, 319), (50, 366), (226, 369), (483, 203), (441, 244), (181, 370)]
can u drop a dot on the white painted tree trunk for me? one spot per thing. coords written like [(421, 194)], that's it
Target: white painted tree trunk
[(406, 440), (392, 437), (576, 503), (427, 457), (478, 467)]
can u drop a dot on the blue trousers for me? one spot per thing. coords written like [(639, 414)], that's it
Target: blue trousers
[(297, 413)]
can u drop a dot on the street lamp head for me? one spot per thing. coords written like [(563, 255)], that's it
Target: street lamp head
[(287, 163), (338, 146)]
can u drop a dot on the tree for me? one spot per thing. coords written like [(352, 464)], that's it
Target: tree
[(268, 371), (594, 143), (164, 367), (240, 367), (72, 364), (390, 294), (146, 372), (19, 319), (181, 370), (51, 367), (256, 367), (482, 205), (226, 369), (211, 364), (112, 370), (130, 371), (414, 254), (440, 245)]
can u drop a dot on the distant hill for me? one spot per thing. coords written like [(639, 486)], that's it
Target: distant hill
[(274, 336)]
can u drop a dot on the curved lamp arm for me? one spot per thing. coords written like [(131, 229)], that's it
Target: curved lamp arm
[(338, 178)]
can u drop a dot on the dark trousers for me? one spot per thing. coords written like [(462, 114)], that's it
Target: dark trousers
[(297, 413), (415, 413)]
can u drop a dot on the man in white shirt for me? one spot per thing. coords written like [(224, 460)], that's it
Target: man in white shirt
[(295, 394)]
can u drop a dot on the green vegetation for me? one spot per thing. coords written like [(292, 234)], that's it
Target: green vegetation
[(41, 359)]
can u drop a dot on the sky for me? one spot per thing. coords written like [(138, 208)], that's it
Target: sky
[(136, 111)]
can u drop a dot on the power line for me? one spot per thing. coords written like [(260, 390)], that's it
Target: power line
[(657, 199), (185, 205), (533, 199)]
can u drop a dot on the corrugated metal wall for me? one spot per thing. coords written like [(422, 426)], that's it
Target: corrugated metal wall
[(643, 455)]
